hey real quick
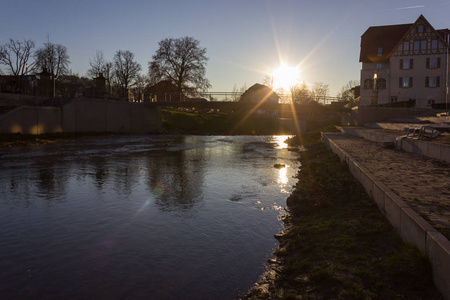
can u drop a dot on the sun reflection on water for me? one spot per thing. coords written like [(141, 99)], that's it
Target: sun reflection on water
[(282, 177), (280, 140)]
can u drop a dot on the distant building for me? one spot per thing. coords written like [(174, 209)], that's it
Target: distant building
[(164, 91), (259, 93), (405, 63), (9, 84)]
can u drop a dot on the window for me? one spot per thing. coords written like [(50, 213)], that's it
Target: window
[(420, 29), (433, 63), (434, 44), (380, 51), (379, 66), (405, 82), (406, 64), (416, 45), (381, 83), (406, 46), (432, 81), (423, 44), (368, 84)]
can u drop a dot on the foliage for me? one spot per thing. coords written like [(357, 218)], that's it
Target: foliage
[(182, 61)]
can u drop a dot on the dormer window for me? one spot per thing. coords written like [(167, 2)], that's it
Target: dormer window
[(380, 51)]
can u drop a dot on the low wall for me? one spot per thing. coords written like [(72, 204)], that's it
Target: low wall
[(83, 115), (427, 148), (410, 226), (434, 150), (369, 114)]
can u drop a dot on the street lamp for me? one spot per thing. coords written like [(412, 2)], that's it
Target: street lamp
[(375, 87)]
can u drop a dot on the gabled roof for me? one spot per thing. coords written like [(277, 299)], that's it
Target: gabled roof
[(164, 86), (386, 37), (259, 93)]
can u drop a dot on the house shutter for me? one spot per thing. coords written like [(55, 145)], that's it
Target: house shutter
[(427, 81), (401, 64), (400, 82), (411, 63), (439, 62), (410, 82), (428, 63), (438, 81)]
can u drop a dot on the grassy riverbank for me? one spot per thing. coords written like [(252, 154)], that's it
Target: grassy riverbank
[(337, 244), (229, 124)]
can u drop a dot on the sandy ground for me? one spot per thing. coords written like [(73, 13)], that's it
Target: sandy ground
[(424, 183)]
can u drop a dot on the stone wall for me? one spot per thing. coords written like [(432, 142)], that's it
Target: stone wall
[(83, 115)]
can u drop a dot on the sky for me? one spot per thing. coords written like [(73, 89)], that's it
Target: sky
[(244, 39)]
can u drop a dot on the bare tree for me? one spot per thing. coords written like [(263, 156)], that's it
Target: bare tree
[(54, 58), (268, 81), (98, 65), (125, 70), (16, 56), (182, 61), (346, 93), (301, 94), (320, 91)]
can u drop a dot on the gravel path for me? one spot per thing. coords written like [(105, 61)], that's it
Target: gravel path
[(422, 182)]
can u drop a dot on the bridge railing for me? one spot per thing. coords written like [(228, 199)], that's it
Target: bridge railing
[(218, 97)]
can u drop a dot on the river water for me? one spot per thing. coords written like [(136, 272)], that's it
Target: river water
[(141, 217)]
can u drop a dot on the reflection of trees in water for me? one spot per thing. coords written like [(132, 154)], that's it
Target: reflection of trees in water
[(176, 178), (52, 180)]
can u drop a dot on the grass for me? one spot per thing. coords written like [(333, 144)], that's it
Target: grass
[(337, 244), (193, 123)]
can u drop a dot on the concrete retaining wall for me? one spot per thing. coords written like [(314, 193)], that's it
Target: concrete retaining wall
[(368, 114), (411, 227), (83, 115), (430, 149)]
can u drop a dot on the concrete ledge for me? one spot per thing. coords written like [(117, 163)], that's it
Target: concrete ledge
[(393, 206), (414, 228), (378, 194), (431, 149), (427, 148), (410, 225), (438, 249)]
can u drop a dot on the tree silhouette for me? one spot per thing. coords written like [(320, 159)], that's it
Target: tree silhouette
[(182, 61), (99, 65), (16, 56), (54, 58), (125, 70)]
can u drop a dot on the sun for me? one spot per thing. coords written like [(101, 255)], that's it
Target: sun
[(286, 77)]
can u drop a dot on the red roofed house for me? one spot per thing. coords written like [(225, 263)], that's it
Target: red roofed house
[(407, 62)]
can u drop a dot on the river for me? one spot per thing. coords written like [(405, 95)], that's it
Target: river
[(141, 217)]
